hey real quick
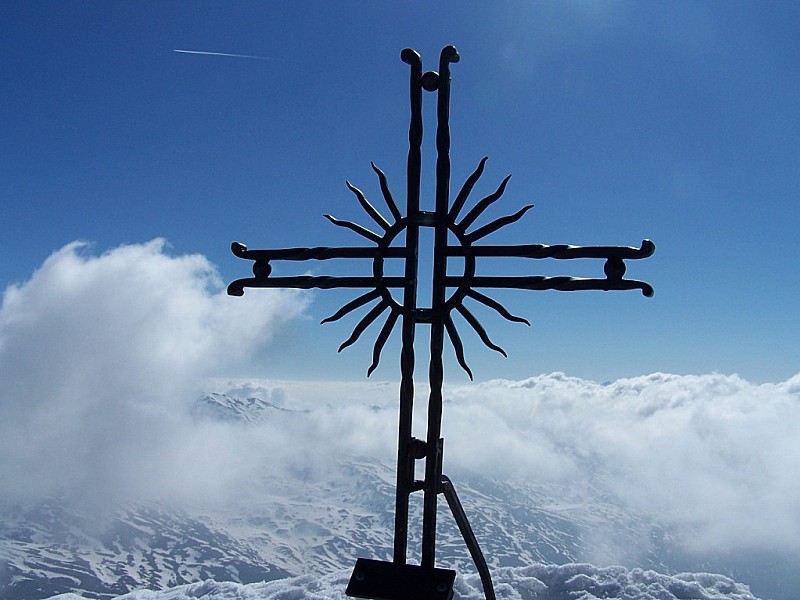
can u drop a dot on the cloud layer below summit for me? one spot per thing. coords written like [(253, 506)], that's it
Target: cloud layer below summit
[(102, 356)]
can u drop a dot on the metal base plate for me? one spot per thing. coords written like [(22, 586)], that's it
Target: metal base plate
[(380, 580)]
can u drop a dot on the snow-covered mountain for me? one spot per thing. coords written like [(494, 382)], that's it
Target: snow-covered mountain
[(314, 521), (47, 549), (220, 407), (535, 582)]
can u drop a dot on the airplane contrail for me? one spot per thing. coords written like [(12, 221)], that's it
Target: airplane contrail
[(223, 54)]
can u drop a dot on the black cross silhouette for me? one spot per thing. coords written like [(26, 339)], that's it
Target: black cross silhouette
[(398, 580)]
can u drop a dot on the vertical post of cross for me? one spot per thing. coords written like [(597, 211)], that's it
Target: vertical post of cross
[(433, 462), (405, 460)]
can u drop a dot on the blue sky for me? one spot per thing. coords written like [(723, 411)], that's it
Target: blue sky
[(620, 121)]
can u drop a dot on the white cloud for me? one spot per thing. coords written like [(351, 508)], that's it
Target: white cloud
[(713, 455), (99, 356)]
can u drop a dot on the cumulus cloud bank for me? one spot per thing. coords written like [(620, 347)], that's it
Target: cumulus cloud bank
[(713, 454), (99, 356), (711, 457)]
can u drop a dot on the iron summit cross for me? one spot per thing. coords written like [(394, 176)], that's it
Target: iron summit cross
[(398, 238)]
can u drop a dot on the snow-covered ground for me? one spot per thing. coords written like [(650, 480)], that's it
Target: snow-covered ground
[(536, 582)]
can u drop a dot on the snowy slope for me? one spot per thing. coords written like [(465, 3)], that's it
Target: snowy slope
[(47, 550), (220, 407), (535, 582), (326, 520)]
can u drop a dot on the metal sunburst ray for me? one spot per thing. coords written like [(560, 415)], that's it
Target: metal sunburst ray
[(387, 194), (458, 346), (466, 189), (365, 322), (495, 305), (373, 237), (481, 206), (497, 224), (380, 341), (352, 305), (473, 321), (368, 208)]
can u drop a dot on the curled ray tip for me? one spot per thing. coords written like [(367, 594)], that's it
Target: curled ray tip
[(238, 248), (236, 288), (355, 190)]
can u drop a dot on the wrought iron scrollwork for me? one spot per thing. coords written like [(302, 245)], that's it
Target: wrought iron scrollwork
[(446, 222)]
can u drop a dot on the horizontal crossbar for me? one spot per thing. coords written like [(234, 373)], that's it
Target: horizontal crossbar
[(318, 253), (558, 251), (563, 284)]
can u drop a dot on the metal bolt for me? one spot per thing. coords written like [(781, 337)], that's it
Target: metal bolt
[(430, 81)]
